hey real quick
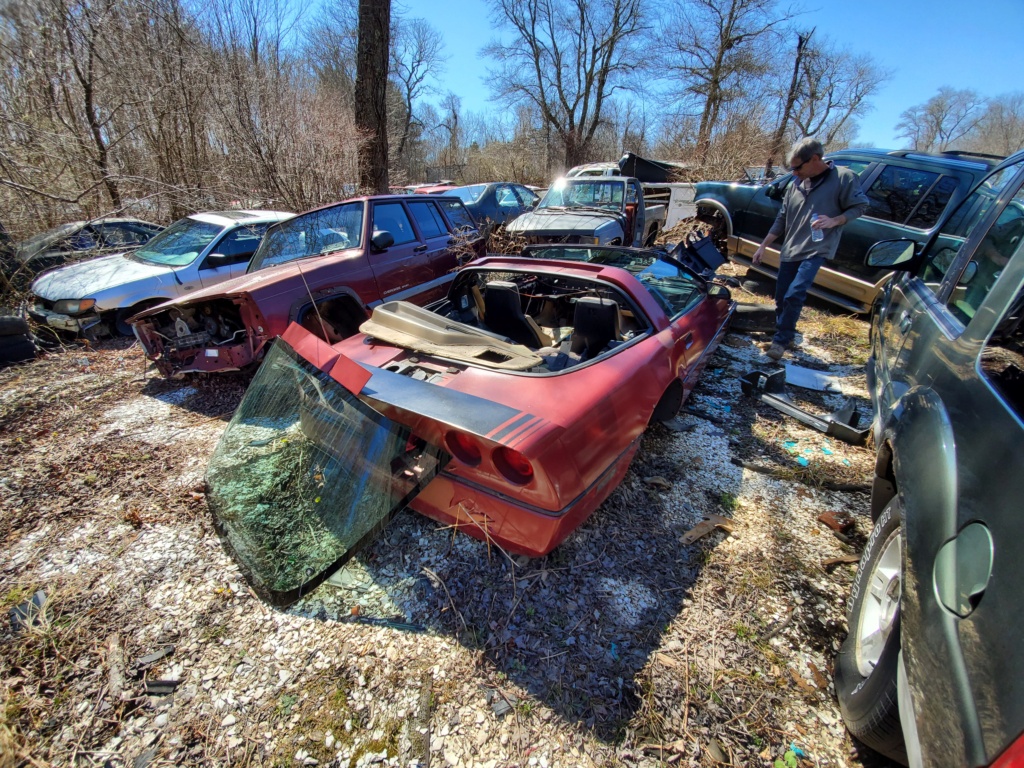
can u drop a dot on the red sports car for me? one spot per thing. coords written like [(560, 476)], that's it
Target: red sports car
[(511, 410)]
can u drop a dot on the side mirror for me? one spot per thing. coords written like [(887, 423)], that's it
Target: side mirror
[(217, 260), (774, 192), (891, 254), (716, 291), (969, 273), (382, 240)]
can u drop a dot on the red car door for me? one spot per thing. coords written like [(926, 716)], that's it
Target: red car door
[(441, 260), (395, 268)]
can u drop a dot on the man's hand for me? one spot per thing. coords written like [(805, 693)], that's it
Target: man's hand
[(828, 222), (758, 254)]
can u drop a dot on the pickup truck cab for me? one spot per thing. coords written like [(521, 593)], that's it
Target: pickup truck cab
[(598, 210), (325, 270)]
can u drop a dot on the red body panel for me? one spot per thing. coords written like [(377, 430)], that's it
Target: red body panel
[(578, 428)]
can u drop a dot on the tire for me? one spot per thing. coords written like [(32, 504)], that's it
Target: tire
[(16, 349), (865, 669), (753, 318), (13, 326), (121, 327), (670, 402)]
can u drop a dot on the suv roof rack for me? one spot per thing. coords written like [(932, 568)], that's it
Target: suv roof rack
[(967, 153), (959, 154)]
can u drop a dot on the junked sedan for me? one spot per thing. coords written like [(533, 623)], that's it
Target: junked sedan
[(510, 410)]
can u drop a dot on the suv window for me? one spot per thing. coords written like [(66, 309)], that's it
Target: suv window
[(896, 192), (991, 255), (857, 166), (959, 226), (1002, 359), (428, 218), (391, 217)]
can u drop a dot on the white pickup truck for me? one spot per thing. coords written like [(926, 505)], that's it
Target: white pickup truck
[(601, 210)]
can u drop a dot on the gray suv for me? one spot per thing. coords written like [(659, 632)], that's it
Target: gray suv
[(931, 672), (908, 192)]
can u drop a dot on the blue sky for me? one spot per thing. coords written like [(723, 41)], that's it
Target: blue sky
[(926, 43)]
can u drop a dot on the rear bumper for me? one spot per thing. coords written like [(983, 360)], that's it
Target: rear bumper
[(518, 528)]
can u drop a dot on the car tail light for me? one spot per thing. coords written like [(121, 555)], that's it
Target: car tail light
[(1013, 755), (513, 465), (463, 447)]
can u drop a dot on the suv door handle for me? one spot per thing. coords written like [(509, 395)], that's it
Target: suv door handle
[(420, 248), (905, 321)]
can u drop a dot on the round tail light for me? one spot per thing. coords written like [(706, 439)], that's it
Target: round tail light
[(515, 467), (463, 447)]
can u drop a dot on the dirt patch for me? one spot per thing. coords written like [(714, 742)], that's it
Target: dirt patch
[(622, 647)]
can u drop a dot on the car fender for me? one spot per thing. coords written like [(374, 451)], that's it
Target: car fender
[(924, 458), (717, 206), (161, 289)]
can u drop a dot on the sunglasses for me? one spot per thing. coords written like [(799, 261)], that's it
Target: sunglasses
[(798, 166)]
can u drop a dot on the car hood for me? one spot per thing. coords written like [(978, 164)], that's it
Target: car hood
[(561, 221), (87, 278)]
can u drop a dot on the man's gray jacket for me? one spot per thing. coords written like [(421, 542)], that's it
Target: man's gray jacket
[(834, 192)]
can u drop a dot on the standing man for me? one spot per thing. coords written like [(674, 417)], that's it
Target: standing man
[(820, 200)]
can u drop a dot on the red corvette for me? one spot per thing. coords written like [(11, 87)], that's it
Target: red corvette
[(511, 410)]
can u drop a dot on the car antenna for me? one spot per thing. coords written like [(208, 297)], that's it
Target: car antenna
[(323, 325)]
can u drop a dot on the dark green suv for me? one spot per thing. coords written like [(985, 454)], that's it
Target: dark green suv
[(931, 671), (909, 192)]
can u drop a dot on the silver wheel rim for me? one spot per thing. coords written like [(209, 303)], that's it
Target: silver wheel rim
[(880, 604)]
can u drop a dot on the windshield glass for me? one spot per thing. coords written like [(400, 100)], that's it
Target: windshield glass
[(50, 236), (585, 193), (469, 194), (305, 474), (311, 234), (179, 244)]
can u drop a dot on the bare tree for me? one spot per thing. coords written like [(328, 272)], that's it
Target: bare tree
[(834, 87), (566, 57), (371, 92), (946, 118), (1001, 128), (416, 56), (715, 48)]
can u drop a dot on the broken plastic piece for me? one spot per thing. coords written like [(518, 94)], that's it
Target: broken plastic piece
[(27, 614), (704, 527)]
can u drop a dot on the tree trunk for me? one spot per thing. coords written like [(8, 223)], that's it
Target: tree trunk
[(371, 93), (780, 132)]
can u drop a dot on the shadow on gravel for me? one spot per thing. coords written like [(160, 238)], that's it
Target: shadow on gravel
[(574, 628)]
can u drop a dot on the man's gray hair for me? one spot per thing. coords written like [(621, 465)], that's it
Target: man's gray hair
[(805, 149)]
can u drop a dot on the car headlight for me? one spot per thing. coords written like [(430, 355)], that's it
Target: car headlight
[(73, 306)]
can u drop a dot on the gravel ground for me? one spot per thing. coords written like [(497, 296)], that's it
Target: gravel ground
[(625, 646)]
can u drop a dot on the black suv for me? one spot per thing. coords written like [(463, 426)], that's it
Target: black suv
[(909, 192), (931, 671)]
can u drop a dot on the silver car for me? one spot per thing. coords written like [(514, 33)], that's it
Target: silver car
[(98, 296)]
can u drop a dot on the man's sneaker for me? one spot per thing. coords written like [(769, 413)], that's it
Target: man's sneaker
[(775, 351)]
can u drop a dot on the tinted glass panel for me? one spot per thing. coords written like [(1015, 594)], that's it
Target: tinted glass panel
[(933, 204), (305, 474), (241, 244), (391, 217), (896, 192), (115, 235), (311, 234), (857, 166), (991, 255), (428, 219)]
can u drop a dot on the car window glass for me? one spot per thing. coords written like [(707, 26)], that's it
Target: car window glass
[(1002, 359), (857, 166), (179, 244), (115, 235), (933, 204), (896, 191), (391, 217), (240, 244), (471, 193), (427, 218), (991, 255), (506, 197), (959, 226), (526, 197), (458, 215), (318, 232), (675, 290), (82, 240)]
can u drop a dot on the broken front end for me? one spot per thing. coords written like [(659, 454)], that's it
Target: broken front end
[(306, 473), (218, 335)]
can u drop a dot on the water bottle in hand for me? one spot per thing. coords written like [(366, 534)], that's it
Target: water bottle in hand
[(817, 235)]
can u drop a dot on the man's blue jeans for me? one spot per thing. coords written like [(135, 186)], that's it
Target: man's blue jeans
[(795, 277)]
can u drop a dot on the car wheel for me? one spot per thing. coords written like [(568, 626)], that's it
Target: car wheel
[(17, 348), (865, 669)]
